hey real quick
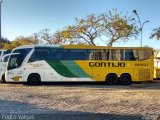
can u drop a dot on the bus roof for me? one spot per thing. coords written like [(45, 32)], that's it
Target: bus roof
[(80, 47)]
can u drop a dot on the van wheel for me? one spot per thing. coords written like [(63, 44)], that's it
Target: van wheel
[(3, 78), (112, 79), (34, 79), (125, 79)]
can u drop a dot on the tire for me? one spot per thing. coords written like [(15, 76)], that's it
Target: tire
[(111, 79), (125, 79), (34, 79), (3, 78)]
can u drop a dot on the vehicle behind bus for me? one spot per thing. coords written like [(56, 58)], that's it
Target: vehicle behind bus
[(4, 52), (3, 65), (112, 65), (157, 68)]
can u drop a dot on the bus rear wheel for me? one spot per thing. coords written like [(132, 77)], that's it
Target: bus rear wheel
[(125, 79), (34, 79), (111, 79)]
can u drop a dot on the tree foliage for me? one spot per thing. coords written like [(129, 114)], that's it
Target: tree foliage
[(3, 42), (46, 37), (19, 41), (85, 31), (156, 33), (112, 26), (117, 26)]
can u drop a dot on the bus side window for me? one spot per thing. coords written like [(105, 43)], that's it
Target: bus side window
[(144, 54), (39, 54), (78, 54), (129, 55), (115, 55), (97, 55), (135, 53), (107, 54), (121, 54)]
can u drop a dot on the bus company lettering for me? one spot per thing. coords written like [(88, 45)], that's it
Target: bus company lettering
[(141, 64), (106, 64)]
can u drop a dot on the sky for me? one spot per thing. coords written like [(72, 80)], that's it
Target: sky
[(25, 17)]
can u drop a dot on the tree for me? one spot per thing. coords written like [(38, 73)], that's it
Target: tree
[(46, 37), (118, 27), (58, 38), (156, 33), (111, 26), (19, 41), (3, 42), (85, 31)]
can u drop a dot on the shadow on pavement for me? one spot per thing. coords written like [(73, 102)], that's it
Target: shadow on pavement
[(154, 85), (21, 110)]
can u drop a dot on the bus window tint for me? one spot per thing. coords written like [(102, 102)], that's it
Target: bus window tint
[(61, 54), (39, 54), (78, 54), (23, 52), (129, 55), (58, 54)]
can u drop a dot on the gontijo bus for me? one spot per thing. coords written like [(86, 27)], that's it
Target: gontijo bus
[(114, 65)]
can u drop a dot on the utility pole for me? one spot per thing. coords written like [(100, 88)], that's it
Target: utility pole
[(140, 24), (0, 22)]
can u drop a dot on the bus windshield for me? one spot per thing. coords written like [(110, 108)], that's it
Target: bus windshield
[(16, 60)]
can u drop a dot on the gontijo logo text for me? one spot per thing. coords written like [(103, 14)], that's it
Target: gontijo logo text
[(106, 64)]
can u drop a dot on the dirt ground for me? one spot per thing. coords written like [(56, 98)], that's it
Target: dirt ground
[(80, 101)]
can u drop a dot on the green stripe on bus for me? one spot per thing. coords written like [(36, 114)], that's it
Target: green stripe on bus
[(75, 69), (60, 68)]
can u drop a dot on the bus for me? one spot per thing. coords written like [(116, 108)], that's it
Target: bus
[(62, 63), (3, 65), (3, 52), (157, 67)]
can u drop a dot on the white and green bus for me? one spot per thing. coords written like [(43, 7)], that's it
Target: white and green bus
[(3, 65), (3, 52), (114, 65)]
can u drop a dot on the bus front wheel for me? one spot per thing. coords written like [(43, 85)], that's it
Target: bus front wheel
[(125, 79), (112, 79), (34, 79)]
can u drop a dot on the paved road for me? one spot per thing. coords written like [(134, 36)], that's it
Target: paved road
[(80, 101)]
